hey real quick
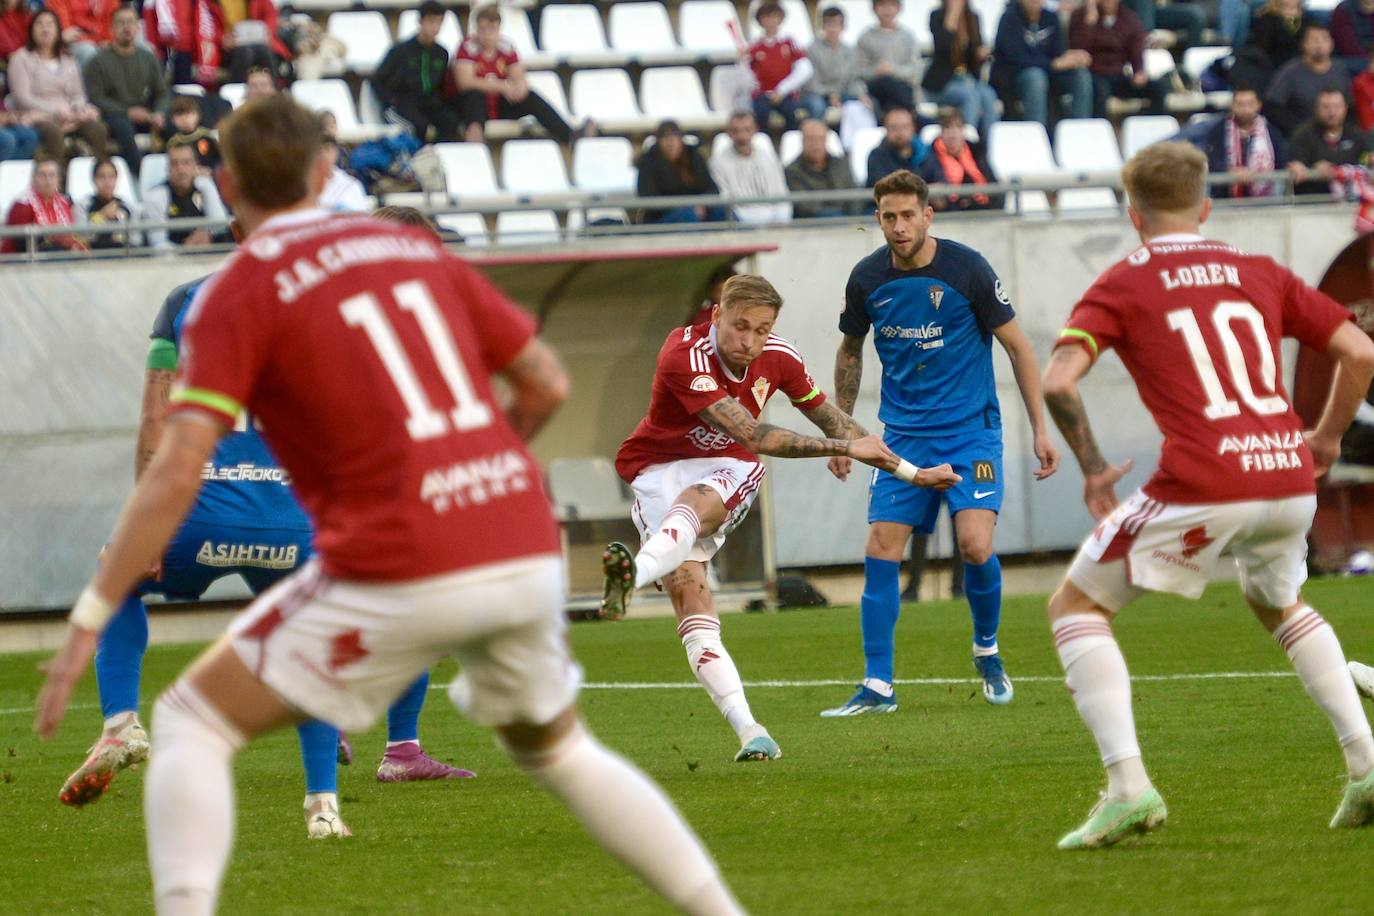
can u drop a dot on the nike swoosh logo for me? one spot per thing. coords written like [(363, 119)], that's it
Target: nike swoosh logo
[(979, 494), (878, 305)]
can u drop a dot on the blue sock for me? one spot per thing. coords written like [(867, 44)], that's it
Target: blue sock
[(320, 754), (878, 613), (119, 657), (403, 718), (983, 589)]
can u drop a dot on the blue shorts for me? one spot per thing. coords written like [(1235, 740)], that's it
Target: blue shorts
[(975, 455), (203, 551)]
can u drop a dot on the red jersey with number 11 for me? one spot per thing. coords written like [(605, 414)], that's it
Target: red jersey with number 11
[(1198, 324), (364, 350)]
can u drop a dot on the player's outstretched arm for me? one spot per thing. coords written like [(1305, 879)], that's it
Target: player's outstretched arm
[(849, 372), (728, 416), (1353, 352), (835, 423), (151, 516), (1067, 366), (152, 416), (1027, 371), (540, 385)]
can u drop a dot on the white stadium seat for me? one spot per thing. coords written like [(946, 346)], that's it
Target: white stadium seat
[(1139, 131), (151, 173), (533, 167), (604, 165), (858, 16), (865, 139), (572, 30), (644, 31), (728, 88), (470, 226), (232, 93), (1084, 145), (915, 15), (468, 169), (796, 23), (1018, 149), (365, 35), (703, 27), (931, 131), (607, 96), (15, 177), (675, 92), (450, 33), (1197, 60), (331, 95), (790, 146), (989, 15), (550, 88), (369, 106), (527, 227), (81, 180), (1158, 62)]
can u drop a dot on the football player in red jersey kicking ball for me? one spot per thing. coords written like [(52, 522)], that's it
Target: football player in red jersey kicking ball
[(693, 463), (1198, 325), (366, 353)]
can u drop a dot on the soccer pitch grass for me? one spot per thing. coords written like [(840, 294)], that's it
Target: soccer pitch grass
[(950, 805)]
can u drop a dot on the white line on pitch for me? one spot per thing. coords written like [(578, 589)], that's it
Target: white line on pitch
[(837, 682)]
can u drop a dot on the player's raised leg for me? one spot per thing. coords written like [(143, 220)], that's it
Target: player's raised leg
[(879, 608), (1096, 675), (699, 629), (983, 590), (118, 672), (405, 760), (697, 512)]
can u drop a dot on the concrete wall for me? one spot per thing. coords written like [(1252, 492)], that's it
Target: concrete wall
[(74, 336)]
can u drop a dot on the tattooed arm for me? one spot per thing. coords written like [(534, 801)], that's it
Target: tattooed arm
[(835, 423), (157, 385), (539, 386), (728, 416), (849, 371), (1066, 367)]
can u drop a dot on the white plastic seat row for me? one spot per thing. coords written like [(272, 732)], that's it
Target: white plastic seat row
[(81, 180)]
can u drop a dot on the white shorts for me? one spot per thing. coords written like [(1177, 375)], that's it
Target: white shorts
[(659, 485), (1146, 545), (342, 652)]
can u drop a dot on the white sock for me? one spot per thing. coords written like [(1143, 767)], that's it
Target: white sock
[(715, 670), (115, 723), (188, 801), (982, 651), (328, 801), (1316, 654), (1096, 676), (414, 741), (668, 549), (633, 820), (879, 687)]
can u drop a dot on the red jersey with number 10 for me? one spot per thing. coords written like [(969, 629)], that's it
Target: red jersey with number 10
[(688, 379), (364, 350), (1198, 324)]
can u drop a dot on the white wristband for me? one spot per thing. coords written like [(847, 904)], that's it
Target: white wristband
[(906, 471), (91, 612)]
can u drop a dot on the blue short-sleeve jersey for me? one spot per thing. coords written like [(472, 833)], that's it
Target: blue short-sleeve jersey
[(933, 332), (242, 484)]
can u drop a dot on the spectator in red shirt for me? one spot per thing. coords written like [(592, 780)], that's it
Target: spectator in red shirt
[(43, 204), (86, 24), (491, 83), (1115, 38), (1363, 90), (1352, 29), (780, 69), (14, 26)]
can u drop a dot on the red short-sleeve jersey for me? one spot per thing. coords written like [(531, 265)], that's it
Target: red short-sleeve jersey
[(496, 66), (772, 59), (1198, 325), (364, 351), (690, 378)]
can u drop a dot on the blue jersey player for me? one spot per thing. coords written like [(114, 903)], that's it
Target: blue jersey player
[(934, 307), (247, 522)]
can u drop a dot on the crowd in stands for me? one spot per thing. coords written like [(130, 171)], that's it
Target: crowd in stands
[(101, 78)]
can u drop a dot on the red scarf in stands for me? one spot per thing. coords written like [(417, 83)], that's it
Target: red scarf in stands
[(956, 168), (55, 211), (1257, 156), (1352, 181)]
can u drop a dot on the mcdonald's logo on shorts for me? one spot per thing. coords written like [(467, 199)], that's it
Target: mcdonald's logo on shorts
[(983, 472)]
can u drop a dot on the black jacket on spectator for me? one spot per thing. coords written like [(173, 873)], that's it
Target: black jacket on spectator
[(1210, 137), (660, 178), (1309, 146), (943, 66), (410, 69)]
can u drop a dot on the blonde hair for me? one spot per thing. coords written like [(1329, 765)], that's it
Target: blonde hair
[(1165, 179), (749, 289), (271, 145)]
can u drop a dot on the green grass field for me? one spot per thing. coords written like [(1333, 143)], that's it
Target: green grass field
[(950, 805)]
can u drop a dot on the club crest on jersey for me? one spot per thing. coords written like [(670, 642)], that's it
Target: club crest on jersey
[(984, 472), (704, 383), (1194, 540), (761, 391), (937, 293), (1000, 292)]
